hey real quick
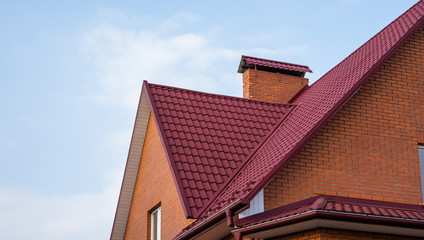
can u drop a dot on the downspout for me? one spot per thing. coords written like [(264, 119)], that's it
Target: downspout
[(230, 219)]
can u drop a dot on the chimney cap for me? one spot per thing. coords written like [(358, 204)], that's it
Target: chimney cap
[(271, 65)]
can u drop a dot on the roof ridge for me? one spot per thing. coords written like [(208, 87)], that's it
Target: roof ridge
[(319, 104), (358, 85), (223, 96), (357, 49)]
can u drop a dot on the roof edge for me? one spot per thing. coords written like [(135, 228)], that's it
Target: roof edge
[(208, 222), (337, 106), (187, 211), (374, 37), (244, 65), (337, 216), (274, 219), (140, 121), (339, 199)]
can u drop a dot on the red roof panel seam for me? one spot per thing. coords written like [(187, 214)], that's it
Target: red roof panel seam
[(283, 119), (337, 107), (360, 82)]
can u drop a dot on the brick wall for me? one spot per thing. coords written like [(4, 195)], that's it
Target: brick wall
[(271, 87), (335, 234), (369, 148), (154, 185)]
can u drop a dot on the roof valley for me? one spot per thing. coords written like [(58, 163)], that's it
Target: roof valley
[(208, 137), (343, 81)]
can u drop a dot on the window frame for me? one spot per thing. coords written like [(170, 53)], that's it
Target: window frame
[(256, 206), (421, 159), (155, 216)]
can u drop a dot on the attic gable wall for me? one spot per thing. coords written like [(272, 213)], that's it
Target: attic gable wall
[(369, 148), (154, 185)]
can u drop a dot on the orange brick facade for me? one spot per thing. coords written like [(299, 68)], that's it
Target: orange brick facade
[(154, 185), (369, 149), (335, 234), (271, 87)]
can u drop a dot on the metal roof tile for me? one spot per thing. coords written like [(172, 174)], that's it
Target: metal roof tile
[(247, 62), (316, 104), (345, 204)]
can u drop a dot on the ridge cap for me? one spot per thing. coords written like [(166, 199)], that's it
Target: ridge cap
[(223, 95)]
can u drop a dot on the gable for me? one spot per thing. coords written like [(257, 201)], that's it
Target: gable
[(368, 149), (131, 168), (208, 136), (154, 185)]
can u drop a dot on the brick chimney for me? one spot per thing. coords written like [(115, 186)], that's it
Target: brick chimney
[(271, 81)]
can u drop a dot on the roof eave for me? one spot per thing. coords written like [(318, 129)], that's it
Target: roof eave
[(209, 222), (345, 220)]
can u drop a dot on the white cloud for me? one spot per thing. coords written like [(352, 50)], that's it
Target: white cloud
[(123, 58), (33, 216)]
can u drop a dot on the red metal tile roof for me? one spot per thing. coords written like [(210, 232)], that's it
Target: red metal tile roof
[(208, 136), (247, 62), (317, 104), (339, 205)]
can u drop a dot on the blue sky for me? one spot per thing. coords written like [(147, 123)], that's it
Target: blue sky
[(71, 74)]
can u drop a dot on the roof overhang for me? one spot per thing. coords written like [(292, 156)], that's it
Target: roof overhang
[(216, 226), (336, 220), (248, 62)]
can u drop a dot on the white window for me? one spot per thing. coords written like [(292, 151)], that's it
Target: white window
[(421, 156), (256, 206), (155, 224)]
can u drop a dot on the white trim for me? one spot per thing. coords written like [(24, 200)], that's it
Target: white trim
[(256, 206), (335, 224), (421, 158), (131, 169), (155, 224)]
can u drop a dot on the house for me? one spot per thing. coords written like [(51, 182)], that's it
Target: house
[(339, 159)]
